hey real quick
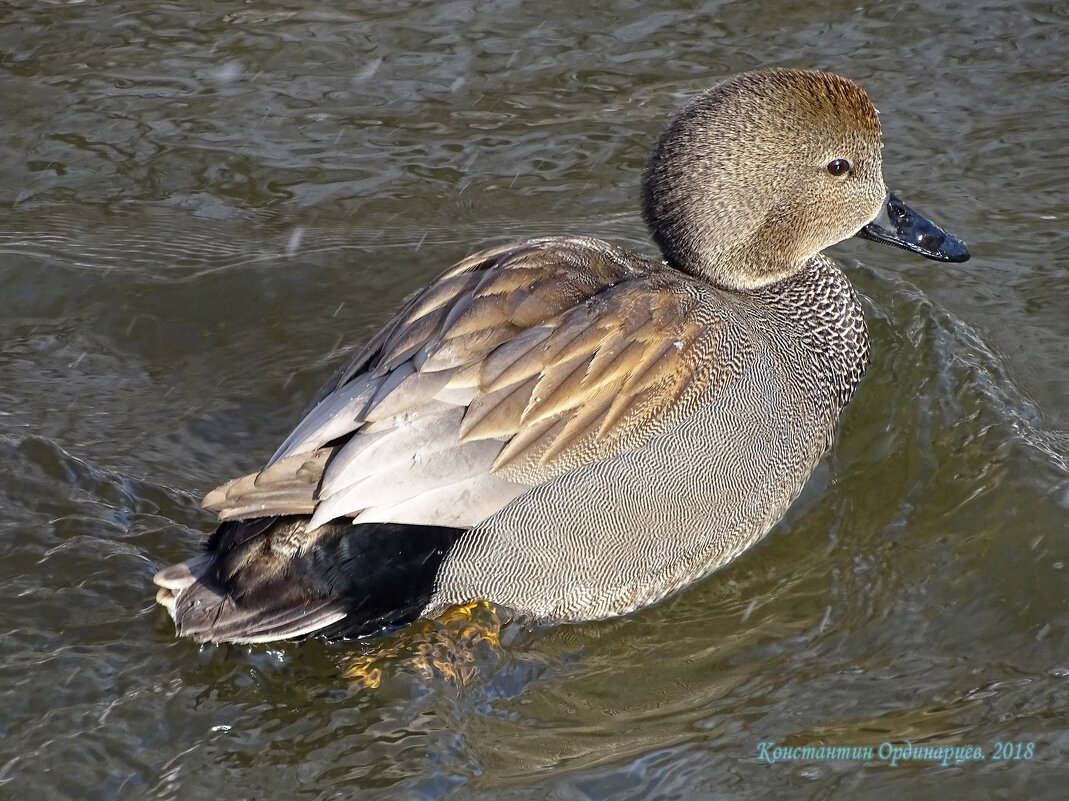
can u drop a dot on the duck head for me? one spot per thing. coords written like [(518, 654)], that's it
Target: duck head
[(761, 172)]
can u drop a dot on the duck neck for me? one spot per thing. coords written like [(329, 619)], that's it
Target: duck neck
[(738, 268)]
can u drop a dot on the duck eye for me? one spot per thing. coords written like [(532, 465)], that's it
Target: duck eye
[(839, 167)]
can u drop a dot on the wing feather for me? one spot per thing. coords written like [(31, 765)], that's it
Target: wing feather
[(407, 479), (463, 504), (518, 364), (515, 361), (498, 413), (528, 444)]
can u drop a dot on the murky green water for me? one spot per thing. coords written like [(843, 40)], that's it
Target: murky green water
[(202, 204)]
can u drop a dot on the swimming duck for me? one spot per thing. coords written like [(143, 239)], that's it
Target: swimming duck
[(568, 428)]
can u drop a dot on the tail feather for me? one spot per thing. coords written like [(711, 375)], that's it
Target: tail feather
[(206, 615), (274, 578)]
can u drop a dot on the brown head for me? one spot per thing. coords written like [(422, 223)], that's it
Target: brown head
[(761, 172)]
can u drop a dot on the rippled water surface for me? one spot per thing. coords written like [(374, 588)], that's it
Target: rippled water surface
[(203, 205)]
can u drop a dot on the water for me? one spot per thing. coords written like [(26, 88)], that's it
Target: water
[(202, 205)]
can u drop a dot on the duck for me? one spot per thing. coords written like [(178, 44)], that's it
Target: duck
[(569, 429)]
